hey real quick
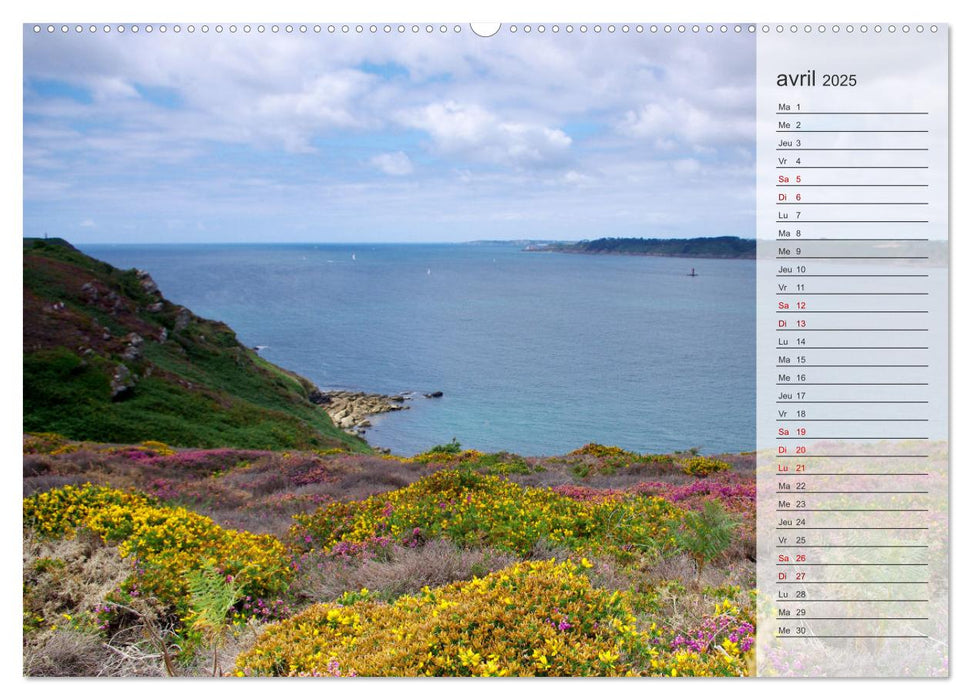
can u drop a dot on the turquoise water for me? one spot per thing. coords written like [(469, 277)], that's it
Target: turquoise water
[(536, 353)]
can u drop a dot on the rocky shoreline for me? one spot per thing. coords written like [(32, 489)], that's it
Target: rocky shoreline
[(350, 410)]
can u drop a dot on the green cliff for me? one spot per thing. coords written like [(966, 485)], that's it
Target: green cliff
[(106, 357)]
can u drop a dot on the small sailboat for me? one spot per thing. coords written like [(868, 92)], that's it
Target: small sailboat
[(692, 273), (353, 256), (428, 271)]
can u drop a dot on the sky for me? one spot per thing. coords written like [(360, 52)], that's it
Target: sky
[(398, 137)]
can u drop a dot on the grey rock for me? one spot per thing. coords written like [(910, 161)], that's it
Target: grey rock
[(316, 396), (90, 291), (182, 318), (350, 409), (122, 382), (148, 284), (133, 350)]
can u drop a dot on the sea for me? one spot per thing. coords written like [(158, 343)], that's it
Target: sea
[(535, 353)]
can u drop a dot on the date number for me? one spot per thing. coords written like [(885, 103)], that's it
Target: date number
[(839, 80)]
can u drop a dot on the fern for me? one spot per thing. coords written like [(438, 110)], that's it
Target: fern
[(707, 534), (212, 595)]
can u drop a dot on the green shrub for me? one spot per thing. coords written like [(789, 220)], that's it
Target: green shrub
[(451, 448)]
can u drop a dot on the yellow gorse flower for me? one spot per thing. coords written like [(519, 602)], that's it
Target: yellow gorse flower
[(404, 638), (167, 542), (476, 509)]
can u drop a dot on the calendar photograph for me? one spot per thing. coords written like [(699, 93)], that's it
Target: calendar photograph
[(566, 350)]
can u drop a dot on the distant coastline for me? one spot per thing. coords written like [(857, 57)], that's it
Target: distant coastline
[(721, 247)]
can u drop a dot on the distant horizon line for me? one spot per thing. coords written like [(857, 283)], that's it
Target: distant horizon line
[(497, 241)]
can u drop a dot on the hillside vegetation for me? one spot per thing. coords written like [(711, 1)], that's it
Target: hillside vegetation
[(708, 247), (106, 357), (144, 560)]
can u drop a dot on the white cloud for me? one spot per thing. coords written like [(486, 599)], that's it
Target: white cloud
[(476, 133), (686, 166), (396, 163), (87, 223), (686, 122), (572, 177), (293, 116), (244, 132), (112, 87)]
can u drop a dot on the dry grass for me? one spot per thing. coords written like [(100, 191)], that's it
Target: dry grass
[(36, 465), (401, 571), (683, 598), (69, 576), (261, 494), (64, 582), (67, 652)]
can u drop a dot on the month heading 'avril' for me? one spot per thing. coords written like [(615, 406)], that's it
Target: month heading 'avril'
[(808, 79)]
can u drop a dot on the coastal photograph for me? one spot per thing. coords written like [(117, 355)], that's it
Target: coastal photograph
[(388, 350)]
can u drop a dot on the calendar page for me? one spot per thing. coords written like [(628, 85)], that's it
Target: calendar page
[(394, 349)]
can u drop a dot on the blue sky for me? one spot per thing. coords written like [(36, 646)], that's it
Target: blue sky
[(399, 137)]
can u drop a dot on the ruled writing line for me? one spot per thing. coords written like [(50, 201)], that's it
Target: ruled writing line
[(852, 636), (857, 456), (834, 240), (802, 491), (851, 149), (852, 221), (847, 294), (851, 510), (852, 167), (852, 617), (851, 131), (800, 112), (853, 600), (805, 365), (849, 204), (854, 311)]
